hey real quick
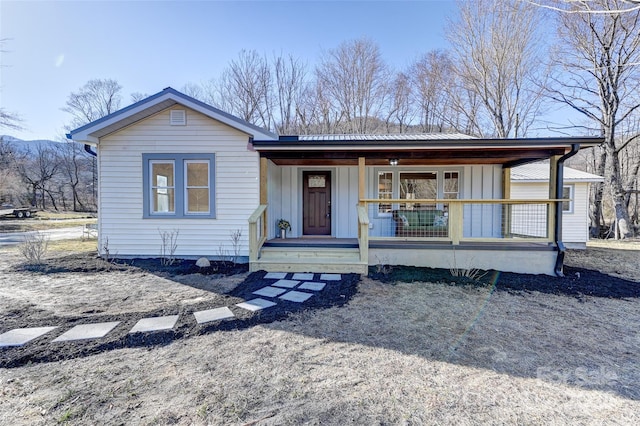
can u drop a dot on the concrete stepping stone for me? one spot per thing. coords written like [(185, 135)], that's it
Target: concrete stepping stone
[(154, 324), (217, 314), (270, 291), (87, 331), (296, 296), (303, 276), (21, 336), (276, 275), (256, 304), (330, 277), (313, 286), (286, 283)]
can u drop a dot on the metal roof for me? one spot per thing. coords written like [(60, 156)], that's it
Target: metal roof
[(380, 137), (539, 172)]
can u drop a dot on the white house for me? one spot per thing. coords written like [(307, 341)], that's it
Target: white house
[(172, 163), (532, 181)]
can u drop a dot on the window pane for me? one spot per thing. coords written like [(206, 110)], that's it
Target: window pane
[(566, 193), (451, 182), (162, 174), (414, 186), (198, 200), (197, 174), (163, 200), (385, 190), (197, 186), (162, 190)]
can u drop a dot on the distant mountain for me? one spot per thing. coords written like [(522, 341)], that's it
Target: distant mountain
[(19, 145)]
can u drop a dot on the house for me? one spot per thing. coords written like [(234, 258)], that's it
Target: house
[(172, 164), (532, 181)]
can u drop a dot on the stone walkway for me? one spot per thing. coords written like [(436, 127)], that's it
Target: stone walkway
[(299, 288)]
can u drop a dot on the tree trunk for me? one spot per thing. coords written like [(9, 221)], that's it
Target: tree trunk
[(618, 192), (597, 193)]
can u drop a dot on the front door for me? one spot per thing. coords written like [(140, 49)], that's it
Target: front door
[(316, 203)]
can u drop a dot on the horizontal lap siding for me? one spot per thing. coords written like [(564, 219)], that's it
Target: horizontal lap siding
[(574, 225), (121, 192)]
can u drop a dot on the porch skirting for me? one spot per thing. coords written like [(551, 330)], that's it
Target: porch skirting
[(523, 259)]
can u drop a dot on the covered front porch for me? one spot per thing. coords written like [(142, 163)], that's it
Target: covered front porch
[(424, 202)]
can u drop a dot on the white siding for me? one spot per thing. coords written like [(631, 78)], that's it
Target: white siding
[(482, 182), (575, 225), (121, 193)]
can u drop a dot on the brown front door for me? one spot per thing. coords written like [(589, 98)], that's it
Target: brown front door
[(316, 203)]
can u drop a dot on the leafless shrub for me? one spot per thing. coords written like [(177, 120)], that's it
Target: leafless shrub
[(236, 243), (107, 257), (382, 266), (34, 247), (466, 271), (168, 246)]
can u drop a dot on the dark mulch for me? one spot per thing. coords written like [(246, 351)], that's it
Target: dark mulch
[(88, 263), (43, 350), (577, 282)]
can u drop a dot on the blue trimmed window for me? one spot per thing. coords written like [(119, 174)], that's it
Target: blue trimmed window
[(178, 186)]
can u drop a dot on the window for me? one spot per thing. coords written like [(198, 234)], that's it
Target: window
[(385, 190), (416, 186), (567, 194), (178, 185), (451, 188)]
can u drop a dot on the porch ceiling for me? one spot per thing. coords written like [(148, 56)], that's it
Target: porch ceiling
[(413, 157), (340, 152)]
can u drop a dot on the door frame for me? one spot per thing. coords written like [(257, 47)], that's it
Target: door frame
[(332, 174)]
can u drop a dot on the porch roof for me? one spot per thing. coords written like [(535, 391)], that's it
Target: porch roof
[(430, 149)]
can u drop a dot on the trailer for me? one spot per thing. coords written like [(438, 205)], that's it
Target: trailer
[(20, 213)]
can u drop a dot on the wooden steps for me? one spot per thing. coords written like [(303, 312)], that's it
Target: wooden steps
[(325, 259)]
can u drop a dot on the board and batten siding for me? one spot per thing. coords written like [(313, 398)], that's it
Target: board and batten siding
[(476, 182), (285, 199), (121, 221), (575, 224)]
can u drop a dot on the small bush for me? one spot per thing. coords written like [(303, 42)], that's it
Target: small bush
[(34, 247)]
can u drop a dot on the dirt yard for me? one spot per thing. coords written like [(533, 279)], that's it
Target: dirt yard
[(512, 349)]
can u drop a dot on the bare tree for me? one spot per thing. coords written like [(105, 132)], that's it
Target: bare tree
[(600, 59), (244, 89), (289, 75), (8, 119), (38, 171), (96, 99), (496, 55), (400, 109), (586, 6), (354, 79), (433, 84)]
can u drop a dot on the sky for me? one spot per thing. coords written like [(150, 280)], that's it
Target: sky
[(53, 48)]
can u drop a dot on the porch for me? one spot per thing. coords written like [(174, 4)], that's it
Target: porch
[(423, 200), (506, 235)]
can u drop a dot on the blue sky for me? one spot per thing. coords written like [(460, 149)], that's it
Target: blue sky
[(54, 47)]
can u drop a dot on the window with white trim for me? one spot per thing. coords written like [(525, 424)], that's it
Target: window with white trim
[(416, 186), (178, 185), (567, 194), (451, 186)]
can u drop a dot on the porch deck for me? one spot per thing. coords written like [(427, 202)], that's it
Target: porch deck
[(497, 247)]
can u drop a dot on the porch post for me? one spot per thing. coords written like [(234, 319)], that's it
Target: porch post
[(361, 180), (264, 167), (506, 208), (553, 194)]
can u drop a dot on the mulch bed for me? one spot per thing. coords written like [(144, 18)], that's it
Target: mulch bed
[(43, 350), (577, 282)]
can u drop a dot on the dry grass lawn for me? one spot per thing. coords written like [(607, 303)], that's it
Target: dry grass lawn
[(417, 353)]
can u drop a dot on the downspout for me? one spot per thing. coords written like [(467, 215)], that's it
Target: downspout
[(557, 229), (88, 149)]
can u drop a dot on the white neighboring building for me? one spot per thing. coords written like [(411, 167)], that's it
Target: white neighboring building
[(531, 181)]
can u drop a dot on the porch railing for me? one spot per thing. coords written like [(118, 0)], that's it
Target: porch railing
[(257, 232), (459, 220)]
